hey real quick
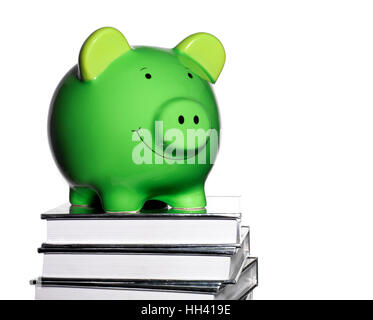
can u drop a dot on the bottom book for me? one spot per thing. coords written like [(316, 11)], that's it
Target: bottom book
[(116, 289)]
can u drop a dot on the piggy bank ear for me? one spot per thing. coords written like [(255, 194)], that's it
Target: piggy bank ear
[(204, 54), (100, 49)]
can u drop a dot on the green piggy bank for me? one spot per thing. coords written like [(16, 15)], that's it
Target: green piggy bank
[(133, 126)]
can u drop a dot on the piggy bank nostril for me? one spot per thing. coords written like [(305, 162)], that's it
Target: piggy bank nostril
[(196, 119), (181, 119)]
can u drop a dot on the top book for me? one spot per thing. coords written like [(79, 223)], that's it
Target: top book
[(218, 224)]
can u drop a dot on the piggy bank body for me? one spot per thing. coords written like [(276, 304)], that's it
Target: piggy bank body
[(128, 125)]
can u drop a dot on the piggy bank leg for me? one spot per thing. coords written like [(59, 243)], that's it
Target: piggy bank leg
[(187, 199), (118, 200), (83, 197)]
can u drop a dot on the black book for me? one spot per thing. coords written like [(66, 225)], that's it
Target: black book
[(121, 289), (218, 224)]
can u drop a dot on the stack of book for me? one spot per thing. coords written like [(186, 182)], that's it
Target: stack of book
[(155, 254)]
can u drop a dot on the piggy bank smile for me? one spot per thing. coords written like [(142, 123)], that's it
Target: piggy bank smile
[(175, 146)]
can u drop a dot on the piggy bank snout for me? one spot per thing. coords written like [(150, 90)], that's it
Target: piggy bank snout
[(184, 123)]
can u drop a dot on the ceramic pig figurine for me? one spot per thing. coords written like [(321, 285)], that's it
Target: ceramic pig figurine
[(132, 124)]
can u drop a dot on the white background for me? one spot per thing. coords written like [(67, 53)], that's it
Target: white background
[(296, 103)]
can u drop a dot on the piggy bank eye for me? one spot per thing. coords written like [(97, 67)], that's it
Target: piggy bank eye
[(190, 75), (148, 75)]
